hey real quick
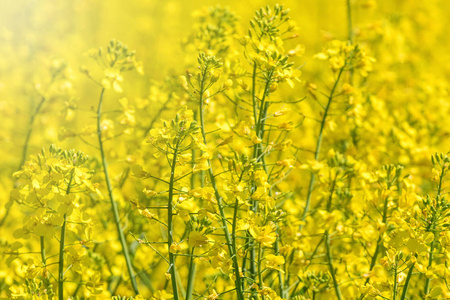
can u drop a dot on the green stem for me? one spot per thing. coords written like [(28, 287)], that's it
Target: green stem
[(394, 296), (280, 274), (408, 278), (61, 260), (233, 236), (232, 251), (61, 247), (74, 294), (170, 223), (331, 268), (254, 92), (257, 154), (380, 239), (24, 152), (114, 208), (255, 117), (350, 34), (158, 114), (330, 198), (191, 278), (30, 130), (43, 257), (259, 125), (319, 144), (426, 289), (349, 22), (260, 254)]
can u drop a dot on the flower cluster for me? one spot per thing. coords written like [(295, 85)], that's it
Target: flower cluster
[(274, 156)]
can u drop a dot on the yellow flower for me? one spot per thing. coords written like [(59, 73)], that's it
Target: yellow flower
[(274, 262), (265, 235), (197, 239), (112, 79), (162, 295), (175, 247), (183, 82)]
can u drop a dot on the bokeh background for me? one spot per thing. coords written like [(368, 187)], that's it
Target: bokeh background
[(408, 38)]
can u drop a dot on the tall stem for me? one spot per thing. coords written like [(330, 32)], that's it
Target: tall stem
[(319, 144), (380, 239), (349, 22), (30, 130), (173, 271), (257, 152), (328, 246), (191, 278), (394, 296), (408, 278), (254, 92), (426, 289), (61, 248), (43, 256), (280, 274), (111, 197), (24, 151), (331, 268), (61, 260), (232, 252), (192, 264), (350, 33), (260, 279), (234, 245)]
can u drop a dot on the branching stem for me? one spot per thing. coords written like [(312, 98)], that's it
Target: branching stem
[(114, 208)]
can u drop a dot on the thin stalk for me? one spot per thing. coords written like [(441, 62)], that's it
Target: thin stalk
[(43, 257), (192, 264), (328, 247), (158, 114), (380, 239), (319, 144), (257, 154), (255, 117), (233, 236), (76, 290), (349, 22), (330, 198), (173, 272), (330, 266), (280, 274), (260, 253), (231, 250), (119, 281), (426, 289), (193, 152), (61, 248), (30, 130), (408, 278), (114, 208), (254, 91), (24, 151), (61, 260), (350, 34), (180, 286), (259, 123), (191, 278), (394, 296)]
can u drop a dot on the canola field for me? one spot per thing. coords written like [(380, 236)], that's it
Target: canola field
[(202, 150)]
